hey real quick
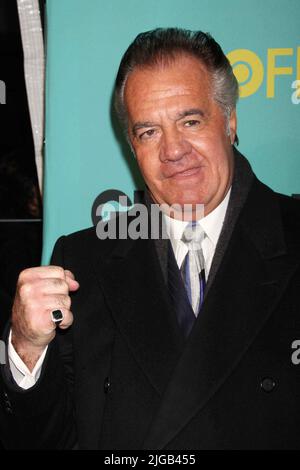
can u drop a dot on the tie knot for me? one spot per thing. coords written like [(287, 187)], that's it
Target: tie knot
[(193, 236)]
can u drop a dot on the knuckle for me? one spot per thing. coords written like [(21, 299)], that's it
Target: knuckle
[(23, 274), (68, 302), (60, 271), (69, 274), (65, 286), (62, 301), (24, 290), (55, 271)]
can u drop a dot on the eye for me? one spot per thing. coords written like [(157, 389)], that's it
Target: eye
[(147, 134), (191, 123)]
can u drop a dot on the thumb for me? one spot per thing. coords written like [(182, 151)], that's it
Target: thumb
[(72, 283)]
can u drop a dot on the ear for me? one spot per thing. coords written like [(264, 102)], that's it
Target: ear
[(232, 126)]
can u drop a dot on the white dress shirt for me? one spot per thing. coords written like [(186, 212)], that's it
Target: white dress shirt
[(20, 372), (211, 224)]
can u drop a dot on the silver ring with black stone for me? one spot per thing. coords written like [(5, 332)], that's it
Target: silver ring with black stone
[(57, 316)]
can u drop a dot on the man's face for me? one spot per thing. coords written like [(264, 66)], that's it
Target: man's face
[(178, 133)]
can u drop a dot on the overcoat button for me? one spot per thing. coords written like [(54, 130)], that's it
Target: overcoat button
[(107, 385), (8, 409), (268, 384)]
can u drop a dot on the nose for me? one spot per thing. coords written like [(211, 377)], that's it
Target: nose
[(173, 147)]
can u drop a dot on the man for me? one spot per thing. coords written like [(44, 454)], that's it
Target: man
[(179, 343)]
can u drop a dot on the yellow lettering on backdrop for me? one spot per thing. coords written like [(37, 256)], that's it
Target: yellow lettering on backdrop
[(248, 69), (273, 70)]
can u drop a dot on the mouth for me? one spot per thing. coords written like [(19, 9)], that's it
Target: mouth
[(185, 173)]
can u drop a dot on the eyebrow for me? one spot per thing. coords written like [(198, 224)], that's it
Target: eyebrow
[(190, 112), (182, 114)]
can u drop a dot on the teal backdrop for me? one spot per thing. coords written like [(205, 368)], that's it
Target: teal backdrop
[(84, 153)]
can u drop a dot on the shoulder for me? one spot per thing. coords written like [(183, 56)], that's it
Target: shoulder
[(85, 243), (290, 208), (290, 216), (86, 235), (269, 217), (265, 198), (286, 210)]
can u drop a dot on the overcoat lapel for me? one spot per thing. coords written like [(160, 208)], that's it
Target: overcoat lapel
[(251, 279), (134, 289)]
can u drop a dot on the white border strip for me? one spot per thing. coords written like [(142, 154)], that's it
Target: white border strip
[(34, 69)]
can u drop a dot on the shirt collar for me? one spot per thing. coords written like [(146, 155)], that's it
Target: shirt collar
[(211, 223)]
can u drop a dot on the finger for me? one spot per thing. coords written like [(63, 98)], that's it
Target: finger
[(41, 272), (69, 274), (56, 302), (73, 285), (67, 320), (49, 324), (48, 286), (54, 286)]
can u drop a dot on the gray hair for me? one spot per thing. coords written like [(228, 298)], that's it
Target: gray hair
[(164, 45)]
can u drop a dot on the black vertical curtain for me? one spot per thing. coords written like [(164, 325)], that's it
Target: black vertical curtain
[(20, 241)]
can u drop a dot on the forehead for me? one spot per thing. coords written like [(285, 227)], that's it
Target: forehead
[(184, 78)]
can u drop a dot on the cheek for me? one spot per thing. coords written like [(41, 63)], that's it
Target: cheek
[(206, 144), (150, 168), (214, 150)]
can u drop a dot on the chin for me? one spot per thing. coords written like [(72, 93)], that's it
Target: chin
[(186, 197)]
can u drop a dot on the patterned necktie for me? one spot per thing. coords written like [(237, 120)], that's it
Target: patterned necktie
[(193, 267)]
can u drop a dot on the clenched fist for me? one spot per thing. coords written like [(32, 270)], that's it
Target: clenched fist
[(40, 291)]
